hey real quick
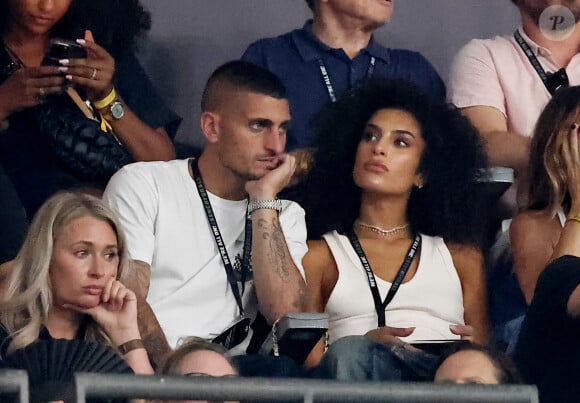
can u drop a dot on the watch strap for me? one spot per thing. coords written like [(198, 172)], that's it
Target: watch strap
[(275, 204)]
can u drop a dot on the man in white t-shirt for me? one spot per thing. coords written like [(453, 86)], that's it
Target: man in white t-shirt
[(181, 270)]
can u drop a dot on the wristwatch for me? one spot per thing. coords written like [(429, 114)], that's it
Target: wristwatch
[(117, 109), (111, 106), (275, 204), (114, 111)]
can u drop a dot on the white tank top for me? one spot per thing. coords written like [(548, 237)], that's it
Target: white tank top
[(431, 301)]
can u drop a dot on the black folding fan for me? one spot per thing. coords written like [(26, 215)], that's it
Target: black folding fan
[(51, 365)]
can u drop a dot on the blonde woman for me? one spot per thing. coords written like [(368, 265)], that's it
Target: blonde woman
[(64, 282), (554, 185)]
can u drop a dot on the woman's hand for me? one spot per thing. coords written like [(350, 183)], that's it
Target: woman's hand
[(466, 332), (571, 153), (117, 312), (28, 86), (95, 73), (389, 336)]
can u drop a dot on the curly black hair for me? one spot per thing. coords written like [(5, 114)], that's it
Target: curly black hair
[(115, 24), (449, 205)]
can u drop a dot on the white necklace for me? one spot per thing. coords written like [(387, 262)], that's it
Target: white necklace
[(379, 230)]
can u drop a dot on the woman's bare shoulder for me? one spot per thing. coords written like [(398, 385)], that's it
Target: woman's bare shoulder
[(318, 256)]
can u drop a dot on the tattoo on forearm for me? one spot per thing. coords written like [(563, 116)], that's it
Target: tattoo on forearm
[(300, 300), (277, 251)]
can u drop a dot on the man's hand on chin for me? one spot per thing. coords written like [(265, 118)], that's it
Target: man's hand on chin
[(269, 185)]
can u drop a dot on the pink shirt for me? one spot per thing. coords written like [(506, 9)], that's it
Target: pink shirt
[(496, 72)]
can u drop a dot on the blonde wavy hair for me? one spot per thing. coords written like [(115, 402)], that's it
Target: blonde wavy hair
[(547, 179), (27, 292)]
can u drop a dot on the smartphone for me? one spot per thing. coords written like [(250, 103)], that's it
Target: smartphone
[(63, 49), (438, 346)]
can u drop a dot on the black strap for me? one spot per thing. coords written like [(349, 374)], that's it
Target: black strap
[(245, 263), (552, 81), (328, 83), (381, 306)]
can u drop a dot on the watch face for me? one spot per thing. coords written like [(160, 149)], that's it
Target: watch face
[(117, 110)]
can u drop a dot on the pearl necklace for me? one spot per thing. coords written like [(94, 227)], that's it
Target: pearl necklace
[(379, 230)]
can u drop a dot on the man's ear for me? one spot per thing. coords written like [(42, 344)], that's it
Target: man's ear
[(209, 122)]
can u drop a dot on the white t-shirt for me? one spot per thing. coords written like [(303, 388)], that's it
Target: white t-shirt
[(430, 302), (165, 223)]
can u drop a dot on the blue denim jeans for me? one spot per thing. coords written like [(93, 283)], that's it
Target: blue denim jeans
[(358, 358)]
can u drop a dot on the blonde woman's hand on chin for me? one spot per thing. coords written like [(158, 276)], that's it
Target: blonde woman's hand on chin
[(116, 314)]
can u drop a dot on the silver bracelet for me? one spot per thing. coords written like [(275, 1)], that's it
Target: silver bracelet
[(267, 204)]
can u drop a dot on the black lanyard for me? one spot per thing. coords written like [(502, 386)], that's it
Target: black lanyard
[(381, 306), (245, 263), (552, 81), (328, 83)]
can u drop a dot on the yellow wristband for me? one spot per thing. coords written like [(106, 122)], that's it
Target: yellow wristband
[(130, 346), (108, 100), (575, 217)]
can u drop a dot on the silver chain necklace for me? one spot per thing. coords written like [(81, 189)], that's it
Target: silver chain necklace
[(379, 230)]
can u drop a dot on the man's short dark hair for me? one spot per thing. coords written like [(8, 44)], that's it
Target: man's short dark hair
[(310, 4), (240, 75)]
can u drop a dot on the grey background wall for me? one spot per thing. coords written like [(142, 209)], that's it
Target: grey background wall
[(189, 38)]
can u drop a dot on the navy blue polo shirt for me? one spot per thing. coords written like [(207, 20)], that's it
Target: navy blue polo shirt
[(295, 58)]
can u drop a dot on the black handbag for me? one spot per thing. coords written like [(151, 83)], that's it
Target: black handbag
[(83, 144)]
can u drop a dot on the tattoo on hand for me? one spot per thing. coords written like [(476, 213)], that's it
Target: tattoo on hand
[(277, 254)]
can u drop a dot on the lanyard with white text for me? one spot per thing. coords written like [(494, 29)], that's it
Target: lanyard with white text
[(552, 81), (245, 264), (328, 83), (380, 306)]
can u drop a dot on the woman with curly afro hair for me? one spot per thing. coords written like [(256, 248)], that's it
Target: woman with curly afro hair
[(394, 208)]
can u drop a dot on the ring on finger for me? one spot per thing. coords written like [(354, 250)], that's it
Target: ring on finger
[(94, 74), (41, 92)]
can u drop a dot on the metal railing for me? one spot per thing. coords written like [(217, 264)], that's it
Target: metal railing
[(305, 390), (14, 382)]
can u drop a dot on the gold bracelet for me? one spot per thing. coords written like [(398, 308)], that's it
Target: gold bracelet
[(130, 346), (108, 100)]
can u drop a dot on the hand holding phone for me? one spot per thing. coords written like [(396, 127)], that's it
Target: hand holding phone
[(63, 49)]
